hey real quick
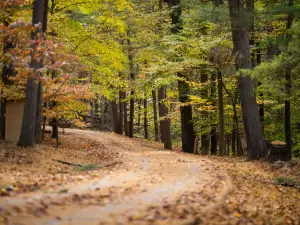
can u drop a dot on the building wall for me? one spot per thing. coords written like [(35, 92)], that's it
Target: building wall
[(14, 118)]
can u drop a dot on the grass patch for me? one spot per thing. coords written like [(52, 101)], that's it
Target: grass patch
[(86, 167), (286, 181)]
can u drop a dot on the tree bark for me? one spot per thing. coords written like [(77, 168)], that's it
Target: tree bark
[(222, 150), (255, 140), (31, 107), (121, 112), (7, 71), (102, 112), (287, 102), (132, 77), (187, 129), (204, 149), (146, 133), (165, 122), (126, 124), (161, 112), (155, 115), (213, 132), (139, 116)]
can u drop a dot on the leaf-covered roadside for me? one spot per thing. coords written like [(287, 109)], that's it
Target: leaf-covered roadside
[(32, 169)]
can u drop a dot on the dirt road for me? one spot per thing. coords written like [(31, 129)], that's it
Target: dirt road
[(148, 185), (146, 179)]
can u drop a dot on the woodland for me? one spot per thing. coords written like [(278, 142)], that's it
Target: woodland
[(159, 86)]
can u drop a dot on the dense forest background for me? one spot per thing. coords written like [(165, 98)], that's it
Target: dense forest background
[(210, 77)]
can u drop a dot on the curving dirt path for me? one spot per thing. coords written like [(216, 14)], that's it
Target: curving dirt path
[(149, 186)]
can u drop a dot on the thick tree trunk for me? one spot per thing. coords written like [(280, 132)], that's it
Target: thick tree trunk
[(155, 115), (115, 117), (187, 129), (221, 115), (255, 140), (165, 123), (146, 133), (28, 131)]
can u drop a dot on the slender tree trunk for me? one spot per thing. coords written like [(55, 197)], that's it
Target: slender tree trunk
[(102, 112), (155, 114), (233, 141), (139, 116), (261, 106), (165, 123), (39, 114), (146, 133), (287, 102), (126, 124), (204, 149), (221, 115), (161, 113), (28, 131), (121, 112), (213, 132), (255, 140), (132, 77)]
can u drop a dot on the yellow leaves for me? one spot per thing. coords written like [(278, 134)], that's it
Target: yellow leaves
[(238, 215)]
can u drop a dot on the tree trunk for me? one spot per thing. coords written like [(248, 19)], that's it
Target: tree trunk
[(187, 129), (126, 124), (102, 112), (164, 123), (146, 133), (221, 115), (233, 141), (155, 115), (7, 71), (161, 93), (132, 77), (287, 102), (139, 116), (115, 117), (121, 111), (213, 132), (204, 149), (255, 140), (28, 131)]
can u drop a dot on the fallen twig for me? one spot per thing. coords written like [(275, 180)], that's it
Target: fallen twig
[(67, 163), (108, 165)]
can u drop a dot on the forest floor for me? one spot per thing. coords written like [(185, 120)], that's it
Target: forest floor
[(137, 182)]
